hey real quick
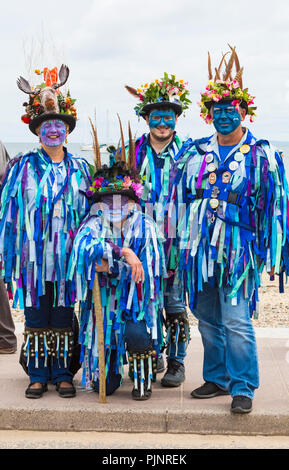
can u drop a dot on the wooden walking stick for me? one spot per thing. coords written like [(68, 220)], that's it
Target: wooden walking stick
[(96, 294)]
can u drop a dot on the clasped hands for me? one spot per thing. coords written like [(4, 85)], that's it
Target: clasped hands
[(137, 271)]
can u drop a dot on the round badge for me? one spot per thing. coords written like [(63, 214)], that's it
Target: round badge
[(212, 178), (245, 148), (211, 167), (226, 177), (233, 165), (238, 157), (214, 203), (209, 158)]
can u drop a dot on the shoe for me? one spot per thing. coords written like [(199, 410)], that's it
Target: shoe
[(66, 392), (137, 396), (208, 390), (4, 350), (35, 392), (175, 374), (160, 364), (241, 404)]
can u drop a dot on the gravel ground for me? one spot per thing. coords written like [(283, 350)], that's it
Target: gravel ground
[(274, 307)]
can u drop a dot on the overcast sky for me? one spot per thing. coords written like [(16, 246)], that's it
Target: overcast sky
[(110, 43)]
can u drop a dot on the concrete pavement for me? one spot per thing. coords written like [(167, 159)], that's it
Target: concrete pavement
[(168, 411)]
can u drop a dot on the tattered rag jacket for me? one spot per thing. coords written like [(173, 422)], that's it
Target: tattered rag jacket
[(42, 204), (236, 219)]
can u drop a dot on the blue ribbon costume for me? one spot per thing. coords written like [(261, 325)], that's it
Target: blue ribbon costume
[(42, 204), (31, 200), (123, 301), (159, 171), (236, 221)]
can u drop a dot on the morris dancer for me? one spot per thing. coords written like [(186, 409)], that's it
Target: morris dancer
[(158, 156), (122, 244), (236, 227), (43, 199)]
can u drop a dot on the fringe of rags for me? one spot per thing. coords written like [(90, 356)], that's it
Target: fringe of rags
[(157, 190), (121, 298), (26, 226), (248, 238)]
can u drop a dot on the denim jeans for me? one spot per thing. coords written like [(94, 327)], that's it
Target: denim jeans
[(174, 304), (55, 317), (230, 350)]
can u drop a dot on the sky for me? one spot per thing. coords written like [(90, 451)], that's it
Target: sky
[(112, 43)]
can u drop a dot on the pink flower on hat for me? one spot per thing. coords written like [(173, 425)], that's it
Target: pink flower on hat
[(138, 188)]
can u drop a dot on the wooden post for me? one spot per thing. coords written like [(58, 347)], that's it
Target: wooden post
[(100, 339), (96, 293)]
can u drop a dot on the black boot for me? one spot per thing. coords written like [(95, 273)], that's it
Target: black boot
[(175, 374), (143, 370)]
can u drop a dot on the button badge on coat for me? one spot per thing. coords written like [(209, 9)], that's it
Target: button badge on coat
[(226, 177), (238, 157), (234, 165), (211, 167), (212, 178), (245, 148), (214, 203), (209, 158)]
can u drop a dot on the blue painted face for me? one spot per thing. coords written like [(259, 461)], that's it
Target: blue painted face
[(225, 118), (162, 118)]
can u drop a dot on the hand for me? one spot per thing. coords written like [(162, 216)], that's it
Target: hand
[(103, 267), (137, 271)]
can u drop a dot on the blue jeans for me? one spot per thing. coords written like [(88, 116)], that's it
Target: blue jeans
[(230, 350), (136, 338), (55, 317), (174, 304)]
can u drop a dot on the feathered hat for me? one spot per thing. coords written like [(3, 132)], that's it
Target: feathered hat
[(121, 177), (46, 101), (225, 88), (163, 93)]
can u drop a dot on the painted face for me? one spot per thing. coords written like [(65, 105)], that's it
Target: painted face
[(52, 133), (159, 118), (115, 207), (225, 118)]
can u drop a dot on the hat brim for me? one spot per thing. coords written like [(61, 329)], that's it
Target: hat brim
[(98, 196), (161, 104), (67, 118)]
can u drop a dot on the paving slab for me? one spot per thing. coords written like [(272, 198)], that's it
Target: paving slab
[(170, 410)]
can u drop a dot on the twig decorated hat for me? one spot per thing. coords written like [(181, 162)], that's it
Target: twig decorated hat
[(121, 177), (46, 101), (226, 88), (163, 93)]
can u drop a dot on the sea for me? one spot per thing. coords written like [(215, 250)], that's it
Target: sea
[(76, 149)]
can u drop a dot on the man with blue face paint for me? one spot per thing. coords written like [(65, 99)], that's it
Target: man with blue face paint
[(43, 199), (236, 196), (158, 156)]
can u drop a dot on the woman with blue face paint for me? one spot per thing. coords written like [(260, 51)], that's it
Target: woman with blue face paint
[(237, 197), (158, 155), (120, 245), (43, 199)]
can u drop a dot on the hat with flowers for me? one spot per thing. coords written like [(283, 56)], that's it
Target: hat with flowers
[(227, 88), (121, 177), (163, 93), (46, 101)]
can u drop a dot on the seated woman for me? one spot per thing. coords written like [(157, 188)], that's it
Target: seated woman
[(123, 247)]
